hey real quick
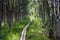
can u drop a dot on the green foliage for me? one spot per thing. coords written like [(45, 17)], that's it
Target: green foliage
[(34, 32), (15, 31)]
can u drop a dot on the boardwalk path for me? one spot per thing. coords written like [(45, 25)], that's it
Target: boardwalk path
[(23, 35)]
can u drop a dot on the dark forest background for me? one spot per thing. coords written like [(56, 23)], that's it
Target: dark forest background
[(42, 18)]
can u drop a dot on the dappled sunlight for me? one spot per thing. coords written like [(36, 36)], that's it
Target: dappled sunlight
[(32, 18), (13, 36), (2, 24)]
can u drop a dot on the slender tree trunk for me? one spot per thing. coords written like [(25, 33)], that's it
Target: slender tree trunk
[(8, 9), (58, 21), (1, 14), (4, 11), (1, 17), (53, 17)]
